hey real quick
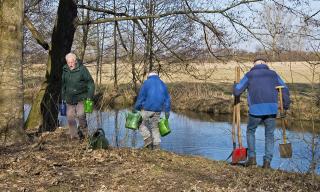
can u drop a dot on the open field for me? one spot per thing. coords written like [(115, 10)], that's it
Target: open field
[(291, 72)]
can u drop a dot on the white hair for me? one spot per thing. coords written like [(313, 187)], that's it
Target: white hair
[(71, 56), (152, 74), (260, 61)]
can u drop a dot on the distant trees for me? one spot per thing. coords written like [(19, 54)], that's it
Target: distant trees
[(164, 28), (276, 25), (165, 35)]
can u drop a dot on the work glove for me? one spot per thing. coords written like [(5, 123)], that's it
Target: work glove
[(167, 114), (283, 114), (233, 87), (234, 84)]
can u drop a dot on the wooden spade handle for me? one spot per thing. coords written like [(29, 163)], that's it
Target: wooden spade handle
[(237, 78), (279, 88), (234, 127)]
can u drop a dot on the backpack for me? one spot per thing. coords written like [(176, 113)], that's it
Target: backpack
[(98, 140)]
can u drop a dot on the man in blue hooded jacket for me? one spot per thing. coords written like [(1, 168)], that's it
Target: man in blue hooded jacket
[(152, 99), (262, 96)]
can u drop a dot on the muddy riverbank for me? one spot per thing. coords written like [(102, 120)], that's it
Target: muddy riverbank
[(54, 163)]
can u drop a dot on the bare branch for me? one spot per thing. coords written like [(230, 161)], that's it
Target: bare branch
[(210, 26), (32, 4), (168, 14), (163, 43), (306, 19), (234, 21), (36, 34), (208, 46), (121, 40), (206, 24), (111, 12)]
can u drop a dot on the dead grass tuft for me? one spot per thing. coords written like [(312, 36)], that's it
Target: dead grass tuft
[(64, 165)]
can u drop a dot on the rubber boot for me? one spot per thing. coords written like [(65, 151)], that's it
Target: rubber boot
[(148, 143), (81, 136), (156, 147), (266, 164), (251, 162)]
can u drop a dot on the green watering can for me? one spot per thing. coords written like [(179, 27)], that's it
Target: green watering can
[(88, 106), (164, 128), (133, 120), (98, 140)]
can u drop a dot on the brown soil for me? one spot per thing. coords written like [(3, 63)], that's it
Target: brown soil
[(54, 163)]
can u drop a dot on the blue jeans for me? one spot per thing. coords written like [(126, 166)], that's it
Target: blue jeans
[(269, 122)]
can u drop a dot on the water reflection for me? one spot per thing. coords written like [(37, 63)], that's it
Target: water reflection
[(294, 125), (112, 122), (207, 136)]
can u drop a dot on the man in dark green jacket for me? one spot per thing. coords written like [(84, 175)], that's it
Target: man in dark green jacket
[(77, 85)]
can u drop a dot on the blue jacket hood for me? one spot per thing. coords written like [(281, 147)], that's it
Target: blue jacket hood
[(153, 95), (259, 66)]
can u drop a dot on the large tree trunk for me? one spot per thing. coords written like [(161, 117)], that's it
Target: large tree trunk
[(44, 112), (11, 85)]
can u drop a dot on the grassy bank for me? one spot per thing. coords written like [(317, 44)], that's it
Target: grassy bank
[(211, 98), (214, 98), (199, 97), (64, 165)]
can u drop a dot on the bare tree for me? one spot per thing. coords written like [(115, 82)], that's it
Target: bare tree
[(159, 21), (276, 21), (161, 25)]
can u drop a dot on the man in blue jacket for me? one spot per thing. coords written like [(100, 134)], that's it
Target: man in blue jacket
[(262, 96), (152, 99)]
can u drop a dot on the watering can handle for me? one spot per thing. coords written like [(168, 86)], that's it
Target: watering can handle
[(279, 88), (100, 129)]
